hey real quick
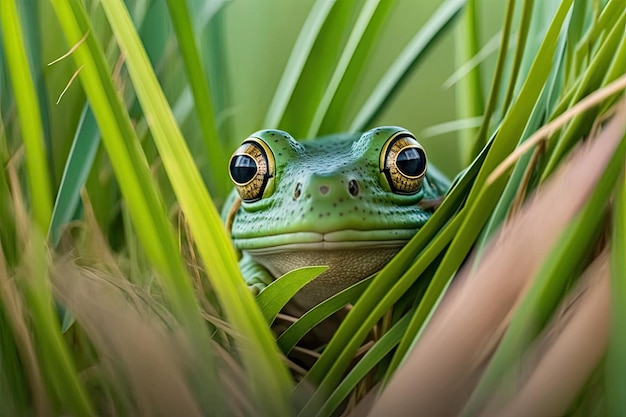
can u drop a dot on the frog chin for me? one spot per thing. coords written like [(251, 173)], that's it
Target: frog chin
[(348, 262)]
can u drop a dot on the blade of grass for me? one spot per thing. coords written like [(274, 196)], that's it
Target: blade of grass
[(181, 21), (274, 297), (496, 81), (270, 380), (290, 337), (615, 368), (293, 70), (363, 22), (469, 88), (565, 258), (381, 348), (406, 61), (29, 114), (77, 168)]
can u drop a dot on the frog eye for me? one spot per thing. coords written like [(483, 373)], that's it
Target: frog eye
[(250, 169), (403, 161)]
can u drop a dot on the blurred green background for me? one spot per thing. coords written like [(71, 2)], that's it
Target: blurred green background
[(260, 36)]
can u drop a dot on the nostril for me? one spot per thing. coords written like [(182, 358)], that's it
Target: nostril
[(353, 188), (324, 189)]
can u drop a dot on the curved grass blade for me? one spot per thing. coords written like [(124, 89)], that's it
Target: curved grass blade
[(561, 264), (274, 297), (358, 31), (373, 356), (496, 81), (181, 21), (470, 101), (269, 378), (616, 360), (401, 67), (29, 114), (335, 118), (293, 70), (77, 168), (290, 337)]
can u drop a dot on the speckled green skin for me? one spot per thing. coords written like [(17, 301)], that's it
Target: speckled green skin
[(354, 235)]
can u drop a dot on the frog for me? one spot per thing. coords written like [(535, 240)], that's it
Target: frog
[(348, 201)]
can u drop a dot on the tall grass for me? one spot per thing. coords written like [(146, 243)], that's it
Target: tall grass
[(120, 293)]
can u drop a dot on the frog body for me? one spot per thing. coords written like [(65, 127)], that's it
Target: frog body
[(347, 201)]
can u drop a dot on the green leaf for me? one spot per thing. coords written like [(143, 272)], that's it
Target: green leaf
[(274, 297), (77, 168), (372, 358), (299, 56), (564, 260), (405, 62), (290, 337), (216, 154), (29, 114), (616, 360), (268, 375)]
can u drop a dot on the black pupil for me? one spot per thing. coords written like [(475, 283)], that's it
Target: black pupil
[(411, 162), (243, 168)]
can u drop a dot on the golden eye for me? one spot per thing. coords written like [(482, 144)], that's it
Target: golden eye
[(250, 169), (403, 161)]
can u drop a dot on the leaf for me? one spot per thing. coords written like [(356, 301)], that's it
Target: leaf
[(29, 114), (290, 337), (274, 297), (405, 62), (77, 168)]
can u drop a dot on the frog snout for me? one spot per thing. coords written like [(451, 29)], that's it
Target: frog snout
[(326, 186)]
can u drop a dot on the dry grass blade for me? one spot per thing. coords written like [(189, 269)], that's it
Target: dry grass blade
[(474, 314), (562, 360), (133, 346), (11, 302)]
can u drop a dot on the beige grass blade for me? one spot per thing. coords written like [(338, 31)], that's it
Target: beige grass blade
[(558, 366), (134, 346), (441, 371)]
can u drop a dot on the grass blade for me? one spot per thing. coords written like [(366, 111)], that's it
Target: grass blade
[(260, 353), (77, 169), (400, 68), (293, 70), (274, 297), (181, 21), (29, 113)]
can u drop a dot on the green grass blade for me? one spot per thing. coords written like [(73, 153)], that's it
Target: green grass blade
[(470, 101), (269, 378), (141, 196), (57, 365), (406, 61), (496, 81), (290, 337), (299, 56), (335, 119), (616, 360), (522, 36), (181, 21), (363, 22), (274, 297), (29, 114), (563, 262), (373, 356), (483, 198), (77, 169)]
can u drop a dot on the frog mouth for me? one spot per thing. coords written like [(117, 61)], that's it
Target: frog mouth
[(337, 240)]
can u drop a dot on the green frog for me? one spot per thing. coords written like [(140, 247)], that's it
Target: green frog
[(346, 201)]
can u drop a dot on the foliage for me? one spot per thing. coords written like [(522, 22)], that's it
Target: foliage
[(120, 293)]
